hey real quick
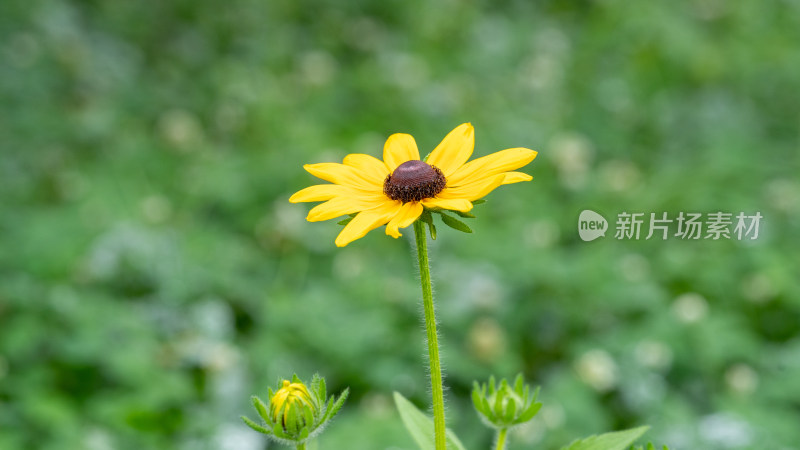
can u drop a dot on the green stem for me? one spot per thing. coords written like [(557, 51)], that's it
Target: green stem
[(301, 446), (433, 340), (501, 439)]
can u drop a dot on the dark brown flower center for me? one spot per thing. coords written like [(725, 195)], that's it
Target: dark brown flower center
[(413, 181)]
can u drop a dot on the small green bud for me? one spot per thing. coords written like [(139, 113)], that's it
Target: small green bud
[(503, 406), (296, 412)]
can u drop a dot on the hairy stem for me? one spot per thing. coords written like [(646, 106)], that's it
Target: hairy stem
[(433, 340), (501, 439), (301, 446)]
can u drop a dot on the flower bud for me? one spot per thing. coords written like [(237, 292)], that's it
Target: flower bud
[(503, 407), (292, 407), (296, 412)]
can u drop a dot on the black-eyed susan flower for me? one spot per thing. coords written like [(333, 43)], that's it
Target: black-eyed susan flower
[(296, 412), (396, 191)]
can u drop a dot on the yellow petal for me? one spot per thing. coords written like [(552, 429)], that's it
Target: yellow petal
[(405, 217), (339, 206), (318, 193), (516, 177), (368, 166), (473, 191), (398, 149), (502, 161), (342, 174), (366, 221), (454, 150), (454, 204)]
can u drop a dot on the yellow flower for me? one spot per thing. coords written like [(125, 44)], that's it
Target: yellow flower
[(395, 191)]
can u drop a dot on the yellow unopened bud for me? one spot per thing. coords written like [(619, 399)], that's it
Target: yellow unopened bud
[(296, 412), (291, 398)]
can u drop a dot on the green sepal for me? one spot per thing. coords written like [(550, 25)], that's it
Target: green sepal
[(511, 410), (261, 408), (255, 426), (529, 413), (339, 402), (498, 406), (427, 218), (291, 420), (519, 385), (328, 409), (479, 201), (476, 398), (487, 408), (464, 214), (322, 391), (535, 394), (308, 416)]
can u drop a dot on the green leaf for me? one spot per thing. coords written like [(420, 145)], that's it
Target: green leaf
[(420, 426), (617, 440), (454, 223), (255, 426), (650, 446)]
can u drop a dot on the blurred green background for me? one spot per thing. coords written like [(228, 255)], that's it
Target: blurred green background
[(153, 274)]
